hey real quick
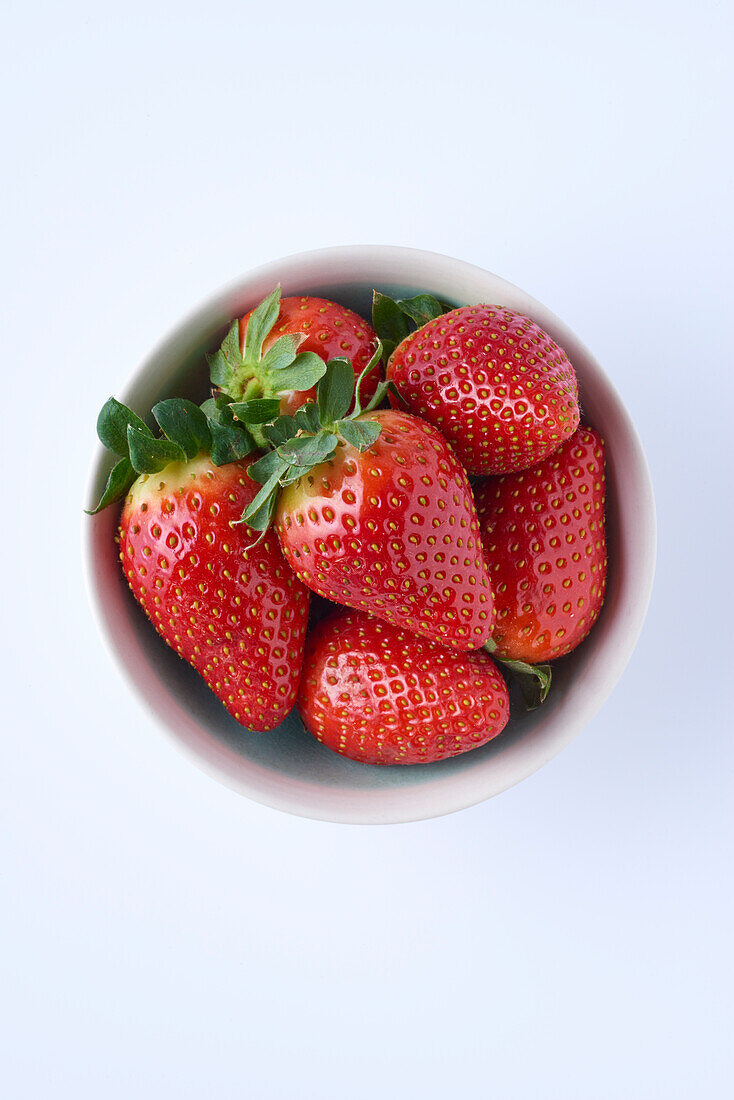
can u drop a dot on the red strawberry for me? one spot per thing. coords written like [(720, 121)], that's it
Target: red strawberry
[(272, 359), (330, 331), (232, 610), (499, 388), (543, 534), (382, 695), (392, 530)]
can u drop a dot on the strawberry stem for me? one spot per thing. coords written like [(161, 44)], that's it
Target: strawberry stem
[(534, 681)]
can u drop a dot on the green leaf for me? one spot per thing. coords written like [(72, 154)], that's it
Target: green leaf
[(295, 473), (395, 318), (184, 423), (309, 450), (261, 410), (306, 419), (225, 363), (261, 517), (218, 408), (376, 357), (261, 321), (121, 478), (380, 394), (148, 455), (112, 425), (282, 429), (230, 441), (304, 372), (534, 681), (263, 469), (389, 322), (213, 406), (335, 390), (360, 433), (422, 308), (282, 353), (259, 512), (225, 416)]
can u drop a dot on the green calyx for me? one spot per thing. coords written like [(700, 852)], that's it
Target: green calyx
[(534, 681), (186, 430), (311, 436), (252, 375), (395, 318)]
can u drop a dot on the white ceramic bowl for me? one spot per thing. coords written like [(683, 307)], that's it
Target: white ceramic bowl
[(287, 768)]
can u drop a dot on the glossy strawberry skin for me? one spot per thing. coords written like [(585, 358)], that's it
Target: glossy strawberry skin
[(393, 531), (330, 331), (382, 695), (544, 543), (499, 388), (237, 615)]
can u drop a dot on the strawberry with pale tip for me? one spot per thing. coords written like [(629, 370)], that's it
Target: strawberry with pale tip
[(233, 610)]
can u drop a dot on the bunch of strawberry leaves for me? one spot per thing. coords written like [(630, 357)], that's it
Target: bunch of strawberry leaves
[(298, 443), (243, 413), (227, 430)]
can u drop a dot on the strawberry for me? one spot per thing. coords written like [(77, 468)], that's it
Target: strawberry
[(379, 694), (543, 535), (374, 511), (392, 530), (328, 330), (499, 388), (278, 351), (235, 612)]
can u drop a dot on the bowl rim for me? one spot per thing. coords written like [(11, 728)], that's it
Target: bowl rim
[(466, 790)]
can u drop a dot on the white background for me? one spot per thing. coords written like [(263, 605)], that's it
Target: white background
[(161, 936)]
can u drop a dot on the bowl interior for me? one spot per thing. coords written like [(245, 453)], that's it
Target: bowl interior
[(287, 768)]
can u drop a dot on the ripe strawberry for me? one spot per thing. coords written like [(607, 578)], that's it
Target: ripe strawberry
[(392, 530), (328, 330), (235, 612), (543, 535), (499, 388), (382, 695), (273, 357)]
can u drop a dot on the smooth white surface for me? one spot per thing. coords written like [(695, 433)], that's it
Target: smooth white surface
[(162, 936), (287, 770)]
